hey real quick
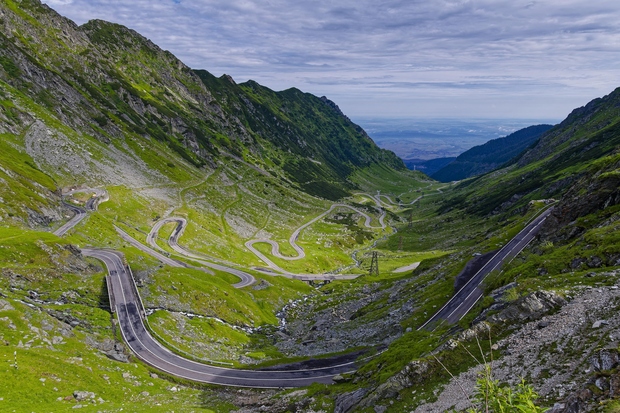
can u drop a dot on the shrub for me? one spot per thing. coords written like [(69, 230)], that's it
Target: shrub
[(490, 397)]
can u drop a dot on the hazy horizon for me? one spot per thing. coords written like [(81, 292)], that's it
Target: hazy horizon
[(431, 138)]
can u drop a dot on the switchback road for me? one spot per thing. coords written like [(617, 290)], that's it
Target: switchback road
[(126, 302), (275, 247), (80, 214), (173, 241), (99, 196), (246, 278)]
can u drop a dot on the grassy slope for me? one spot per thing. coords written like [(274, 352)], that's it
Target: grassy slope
[(226, 206), (54, 359), (209, 199), (232, 190), (578, 247), (210, 295), (491, 155)]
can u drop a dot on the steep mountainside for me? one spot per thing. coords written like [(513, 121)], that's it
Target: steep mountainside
[(99, 109), (577, 164), (108, 82), (493, 154), (319, 147), (549, 315), (250, 172), (578, 148)]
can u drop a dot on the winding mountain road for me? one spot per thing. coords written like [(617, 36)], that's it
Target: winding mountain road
[(80, 214), (380, 203), (99, 196), (275, 247), (128, 307), (246, 278), (173, 241), (126, 302), (155, 254)]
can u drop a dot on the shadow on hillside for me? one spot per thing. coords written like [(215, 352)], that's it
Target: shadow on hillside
[(103, 301)]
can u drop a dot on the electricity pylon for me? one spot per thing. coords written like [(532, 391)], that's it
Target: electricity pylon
[(374, 264)]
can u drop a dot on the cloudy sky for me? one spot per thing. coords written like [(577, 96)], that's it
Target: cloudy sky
[(393, 58)]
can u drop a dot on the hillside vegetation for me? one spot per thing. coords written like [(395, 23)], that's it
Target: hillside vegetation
[(99, 106), (108, 83), (493, 154)]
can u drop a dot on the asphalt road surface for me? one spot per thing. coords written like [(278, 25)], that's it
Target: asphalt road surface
[(463, 301), (80, 214), (99, 196), (126, 302), (275, 269), (161, 257), (173, 241)]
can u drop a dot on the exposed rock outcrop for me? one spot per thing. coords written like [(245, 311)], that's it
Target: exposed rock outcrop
[(555, 359), (530, 307)]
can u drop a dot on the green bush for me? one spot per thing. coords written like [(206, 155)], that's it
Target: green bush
[(490, 397), (10, 67)]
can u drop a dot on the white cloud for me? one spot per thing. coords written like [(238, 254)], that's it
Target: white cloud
[(58, 2), (417, 57)]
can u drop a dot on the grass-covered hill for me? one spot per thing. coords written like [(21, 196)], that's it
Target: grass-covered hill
[(318, 146), (99, 105), (491, 155), (105, 81), (577, 153), (542, 312)]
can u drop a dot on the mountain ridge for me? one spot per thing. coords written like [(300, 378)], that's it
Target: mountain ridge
[(136, 88), (491, 155), (241, 163)]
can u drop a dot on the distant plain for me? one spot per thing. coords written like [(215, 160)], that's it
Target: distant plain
[(439, 138)]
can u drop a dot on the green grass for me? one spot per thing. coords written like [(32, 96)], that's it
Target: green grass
[(53, 359), (227, 203), (22, 183), (25, 249), (205, 338), (212, 297), (392, 260), (612, 407), (201, 293), (47, 372), (389, 181)]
